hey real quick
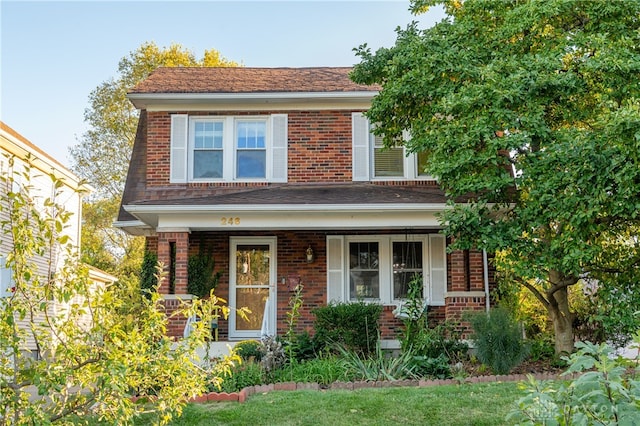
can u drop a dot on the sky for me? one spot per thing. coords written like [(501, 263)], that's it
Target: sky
[(54, 53)]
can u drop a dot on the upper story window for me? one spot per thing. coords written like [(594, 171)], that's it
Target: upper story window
[(210, 149), (251, 155), (372, 161)]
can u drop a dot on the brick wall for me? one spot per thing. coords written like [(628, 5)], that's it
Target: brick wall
[(179, 263), (292, 266), (319, 147)]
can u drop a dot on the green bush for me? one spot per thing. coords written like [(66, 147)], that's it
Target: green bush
[(498, 340), (305, 347), (202, 277), (435, 368), (246, 374), (432, 342), (248, 349), (353, 325), (606, 392), (148, 277)]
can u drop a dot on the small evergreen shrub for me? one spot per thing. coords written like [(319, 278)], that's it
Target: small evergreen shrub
[(305, 347), (148, 277), (352, 325), (202, 277), (498, 340), (248, 349)]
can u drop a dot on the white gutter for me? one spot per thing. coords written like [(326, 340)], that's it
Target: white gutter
[(142, 100), (158, 209), (485, 268)]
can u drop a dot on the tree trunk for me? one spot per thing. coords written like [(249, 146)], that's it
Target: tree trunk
[(562, 319)]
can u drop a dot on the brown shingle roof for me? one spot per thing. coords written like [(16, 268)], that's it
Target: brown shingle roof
[(249, 80), (311, 194)]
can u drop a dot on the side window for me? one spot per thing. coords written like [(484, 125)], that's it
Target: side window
[(387, 162), (371, 160)]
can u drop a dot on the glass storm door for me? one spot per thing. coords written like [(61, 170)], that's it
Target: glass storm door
[(252, 282)]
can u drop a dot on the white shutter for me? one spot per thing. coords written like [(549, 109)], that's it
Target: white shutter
[(179, 144), (6, 279), (335, 269), (279, 144), (437, 268), (360, 146)]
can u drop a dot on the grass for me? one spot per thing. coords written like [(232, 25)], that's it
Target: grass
[(466, 404)]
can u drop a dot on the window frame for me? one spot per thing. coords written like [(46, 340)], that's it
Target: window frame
[(364, 150), (410, 169), (229, 147), (385, 268)]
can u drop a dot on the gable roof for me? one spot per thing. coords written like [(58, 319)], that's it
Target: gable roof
[(249, 80)]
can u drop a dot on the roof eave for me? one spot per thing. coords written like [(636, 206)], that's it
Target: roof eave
[(146, 100)]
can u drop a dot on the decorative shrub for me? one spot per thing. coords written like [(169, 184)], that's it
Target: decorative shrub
[(435, 368), (305, 347), (377, 365), (498, 340), (202, 277), (248, 349), (148, 276), (352, 325), (272, 354)]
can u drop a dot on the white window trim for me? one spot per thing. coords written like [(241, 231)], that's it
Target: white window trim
[(229, 147), (385, 247), (410, 159)]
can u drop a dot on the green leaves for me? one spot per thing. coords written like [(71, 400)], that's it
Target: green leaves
[(528, 112)]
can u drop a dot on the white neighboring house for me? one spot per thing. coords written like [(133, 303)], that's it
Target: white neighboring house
[(13, 145)]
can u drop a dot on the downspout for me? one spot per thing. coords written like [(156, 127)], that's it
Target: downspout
[(485, 268)]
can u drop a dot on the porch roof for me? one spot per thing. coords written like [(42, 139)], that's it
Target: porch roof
[(308, 194), (308, 206)]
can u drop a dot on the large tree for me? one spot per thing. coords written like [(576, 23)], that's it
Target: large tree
[(102, 153), (531, 110)]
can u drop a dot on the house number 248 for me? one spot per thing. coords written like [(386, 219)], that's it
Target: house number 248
[(228, 221)]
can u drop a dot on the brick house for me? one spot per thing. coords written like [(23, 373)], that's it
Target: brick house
[(275, 173)]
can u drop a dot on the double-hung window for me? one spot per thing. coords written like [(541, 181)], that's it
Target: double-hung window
[(251, 149), (208, 149), (373, 161), (228, 148), (381, 268)]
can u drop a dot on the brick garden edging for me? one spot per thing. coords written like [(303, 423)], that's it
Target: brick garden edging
[(245, 393)]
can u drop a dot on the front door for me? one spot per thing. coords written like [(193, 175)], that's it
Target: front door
[(252, 282)]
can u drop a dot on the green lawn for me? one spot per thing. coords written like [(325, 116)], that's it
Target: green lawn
[(467, 404)]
